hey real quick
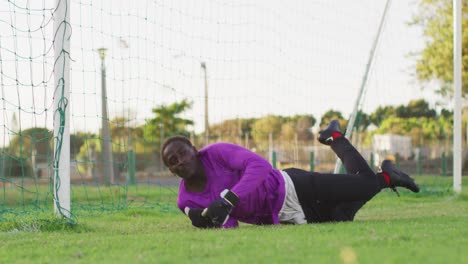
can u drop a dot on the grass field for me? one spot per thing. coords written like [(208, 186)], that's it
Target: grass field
[(413, 228)]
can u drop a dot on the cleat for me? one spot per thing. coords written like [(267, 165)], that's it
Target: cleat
[(398, 178), (326, 136)]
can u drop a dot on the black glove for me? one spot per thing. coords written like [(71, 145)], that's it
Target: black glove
[(219, 210), (195, 215)]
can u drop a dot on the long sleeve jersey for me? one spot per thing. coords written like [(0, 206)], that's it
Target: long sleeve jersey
[(260, 188)]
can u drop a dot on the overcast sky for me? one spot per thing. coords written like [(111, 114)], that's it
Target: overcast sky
[(262, 57)]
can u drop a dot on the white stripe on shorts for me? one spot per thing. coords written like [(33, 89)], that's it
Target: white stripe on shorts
[(291, 211)]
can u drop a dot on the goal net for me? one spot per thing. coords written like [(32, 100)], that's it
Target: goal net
[(262, 74)]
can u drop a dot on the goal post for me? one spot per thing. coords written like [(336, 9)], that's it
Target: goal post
[(457, 83), (61, 158)]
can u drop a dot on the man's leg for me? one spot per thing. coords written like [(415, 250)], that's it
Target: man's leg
[(360, 184), (337, 197), (344, 212), (331, 197), (352, 160), (354, 163)]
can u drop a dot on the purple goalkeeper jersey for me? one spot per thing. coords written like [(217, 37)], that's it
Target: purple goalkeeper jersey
[(260, 187)]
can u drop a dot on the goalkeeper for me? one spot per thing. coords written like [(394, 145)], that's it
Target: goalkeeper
[(224, 184)]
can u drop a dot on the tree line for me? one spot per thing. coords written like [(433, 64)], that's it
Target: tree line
[(425, 125)]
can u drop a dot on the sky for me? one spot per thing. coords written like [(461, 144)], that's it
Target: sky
[(262, 57)]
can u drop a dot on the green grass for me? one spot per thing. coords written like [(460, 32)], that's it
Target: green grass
[(413, 228)]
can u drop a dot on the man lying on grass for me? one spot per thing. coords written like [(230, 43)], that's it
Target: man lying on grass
[(224, 183)]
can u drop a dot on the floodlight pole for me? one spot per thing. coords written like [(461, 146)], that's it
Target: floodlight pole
[(106, 148), (457, 88), (362, 90), (61, 162), (207, 127)]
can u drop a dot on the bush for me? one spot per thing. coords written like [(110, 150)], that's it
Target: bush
[(15, 167)]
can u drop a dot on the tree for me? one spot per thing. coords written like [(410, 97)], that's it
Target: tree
[(77, 140), (446, 113), (264, 126), (229, 130), (123, 134), (167, 122), (232, 130), (382, 113), (362, 122), (331, 115), (88, 153), (422, 130), (415, 108), (36, 141), (288, 131), (435, 61), (304, 124)]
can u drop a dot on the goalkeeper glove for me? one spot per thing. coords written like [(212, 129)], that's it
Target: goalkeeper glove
[(198, 220), (219, 210)]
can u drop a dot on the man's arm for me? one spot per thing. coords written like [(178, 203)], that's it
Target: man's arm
[(254, 168), (254, 171)]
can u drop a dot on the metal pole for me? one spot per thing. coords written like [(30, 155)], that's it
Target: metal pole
[(296, 150), (131, 166), (312, 161), (349, 129), (161, 142), (246, 140), (107, 159), (444, 164), (273, 161), (457, 83), (270, 147), (61, 164), (207, 127), (419, 164)]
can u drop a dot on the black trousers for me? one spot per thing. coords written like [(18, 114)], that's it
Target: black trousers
[(337, 197)]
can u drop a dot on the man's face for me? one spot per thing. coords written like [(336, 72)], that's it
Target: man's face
[(181, 159)]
